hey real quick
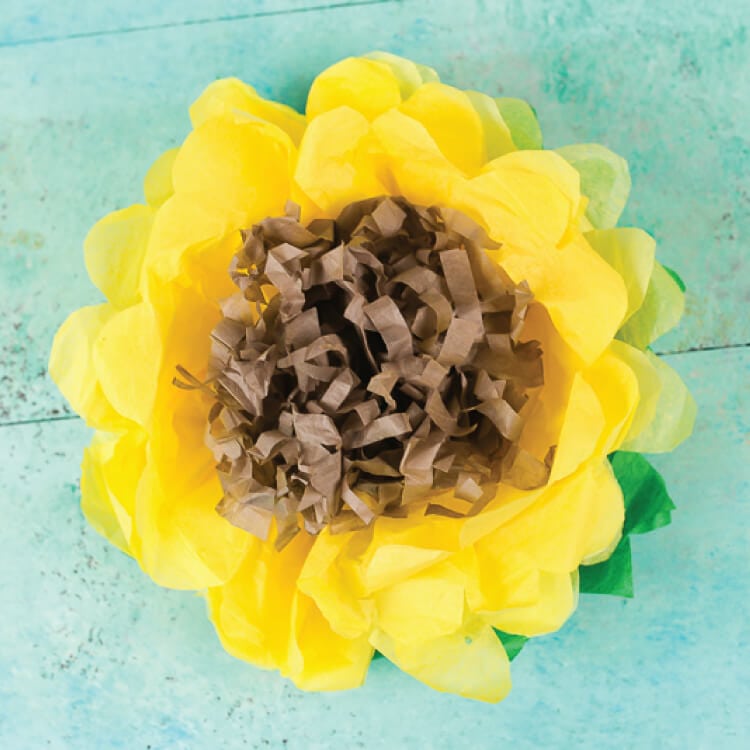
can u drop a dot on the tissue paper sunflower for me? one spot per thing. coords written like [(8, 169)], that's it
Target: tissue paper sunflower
[(376, 378)]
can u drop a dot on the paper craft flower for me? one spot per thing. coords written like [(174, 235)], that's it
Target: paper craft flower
[(376, 378)]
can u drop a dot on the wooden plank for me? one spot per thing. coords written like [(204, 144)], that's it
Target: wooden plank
[(83, 119), (109, 660), (24, 22)]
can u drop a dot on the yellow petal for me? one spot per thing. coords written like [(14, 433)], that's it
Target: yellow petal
[(508, 504), (367, 86), (114, 251), (401, 547), (582, 427), (336, 164), (157, 185), (318, 658), (112, 467), (649, 385), (236, 164), (419, 170), (661, 310), (616, 387), (127, 355), (449, 117), (72, 368), (471, 662), (252, 610), (605, 180), (553, 602), (183, 227), (521, 119), (546, 409), (329, 579), (185, 543), (584, 296), (229, 95), (409, 74), (630, 251), (674, 413), (569, 521), (497, 138), (538, 187), (423, 606)]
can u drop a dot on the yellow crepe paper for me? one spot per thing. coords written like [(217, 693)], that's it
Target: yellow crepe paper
[(426, 591)]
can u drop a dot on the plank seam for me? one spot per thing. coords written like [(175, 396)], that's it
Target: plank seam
[(704, 349), (190, 22)]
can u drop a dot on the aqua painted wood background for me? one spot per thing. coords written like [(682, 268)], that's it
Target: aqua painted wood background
[(92, 655)]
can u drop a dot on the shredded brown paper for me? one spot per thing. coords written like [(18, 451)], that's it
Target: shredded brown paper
[(366, 364)]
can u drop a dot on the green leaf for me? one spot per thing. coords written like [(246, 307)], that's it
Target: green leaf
[(613, 576), (676, 276), (605, 181), (647, 502), (521, 120), (647, 507), (512, 643)]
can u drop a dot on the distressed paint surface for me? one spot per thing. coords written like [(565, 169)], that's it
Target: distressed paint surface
[(108, 659)]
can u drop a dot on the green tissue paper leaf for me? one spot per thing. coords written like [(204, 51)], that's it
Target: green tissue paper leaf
[(676, 276), (647, 507), (521, 120), (613, 576), (647, 502), (512, 643)]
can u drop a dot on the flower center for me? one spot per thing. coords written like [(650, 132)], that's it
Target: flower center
[(366, 364)]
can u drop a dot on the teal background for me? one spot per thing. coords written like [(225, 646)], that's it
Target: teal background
[(93, 655)]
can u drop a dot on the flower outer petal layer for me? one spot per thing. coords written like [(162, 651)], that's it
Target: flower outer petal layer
[(521, 120), (336, 164), (112, 466), (570, 284), (230, 95), (605, 180), (410, 75), (649, 386), (471, 663), (538, 187), (114, 249), (449, 117), (131, 336), (661, 310), (567, 522), (497, 137), (417, 168), (71, 366), (236, 162), (368, 86), (630, 251), (231, 171), (157, 184), (673, 414), (261, 617)]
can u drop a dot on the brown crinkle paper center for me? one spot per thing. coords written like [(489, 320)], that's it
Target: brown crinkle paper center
[(368, 363)]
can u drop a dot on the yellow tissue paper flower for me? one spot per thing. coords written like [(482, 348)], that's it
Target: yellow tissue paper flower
[(426, 591)]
